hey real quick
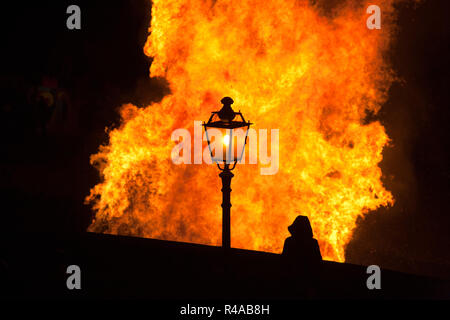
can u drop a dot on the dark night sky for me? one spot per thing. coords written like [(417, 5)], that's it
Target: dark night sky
[(103, 65)]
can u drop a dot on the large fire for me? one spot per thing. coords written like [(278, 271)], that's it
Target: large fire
[(288, 66)]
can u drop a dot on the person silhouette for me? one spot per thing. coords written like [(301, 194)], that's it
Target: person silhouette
[(302, 257)]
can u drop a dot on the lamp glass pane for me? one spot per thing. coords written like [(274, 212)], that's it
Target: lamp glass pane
[(226, 145)]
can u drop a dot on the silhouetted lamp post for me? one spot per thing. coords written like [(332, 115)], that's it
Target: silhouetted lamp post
[(232, 130)]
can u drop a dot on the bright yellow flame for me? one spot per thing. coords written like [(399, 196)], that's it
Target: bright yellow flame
[(226, 140), (287, 67)]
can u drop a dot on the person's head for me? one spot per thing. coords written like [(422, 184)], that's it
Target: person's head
[(301, 228)]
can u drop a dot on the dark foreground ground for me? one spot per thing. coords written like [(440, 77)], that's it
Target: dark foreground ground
[(34, 266), (44, 178)]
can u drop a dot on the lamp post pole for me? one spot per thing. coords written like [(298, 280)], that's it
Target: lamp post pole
[(226, 120), (226, 176)]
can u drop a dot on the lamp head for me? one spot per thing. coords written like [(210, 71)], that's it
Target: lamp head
[(226, 114)]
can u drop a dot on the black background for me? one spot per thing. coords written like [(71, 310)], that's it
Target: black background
[(44, 181)]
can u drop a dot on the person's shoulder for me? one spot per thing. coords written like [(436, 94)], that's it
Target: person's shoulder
[(287, 247), (288, 242), (289, 239)]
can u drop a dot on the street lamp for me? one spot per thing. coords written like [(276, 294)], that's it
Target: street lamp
[(230, 136)]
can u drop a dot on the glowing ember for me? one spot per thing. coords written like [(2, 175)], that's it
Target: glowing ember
[(287, 67)]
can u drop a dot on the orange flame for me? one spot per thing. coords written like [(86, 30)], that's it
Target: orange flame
[(287, 67)]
